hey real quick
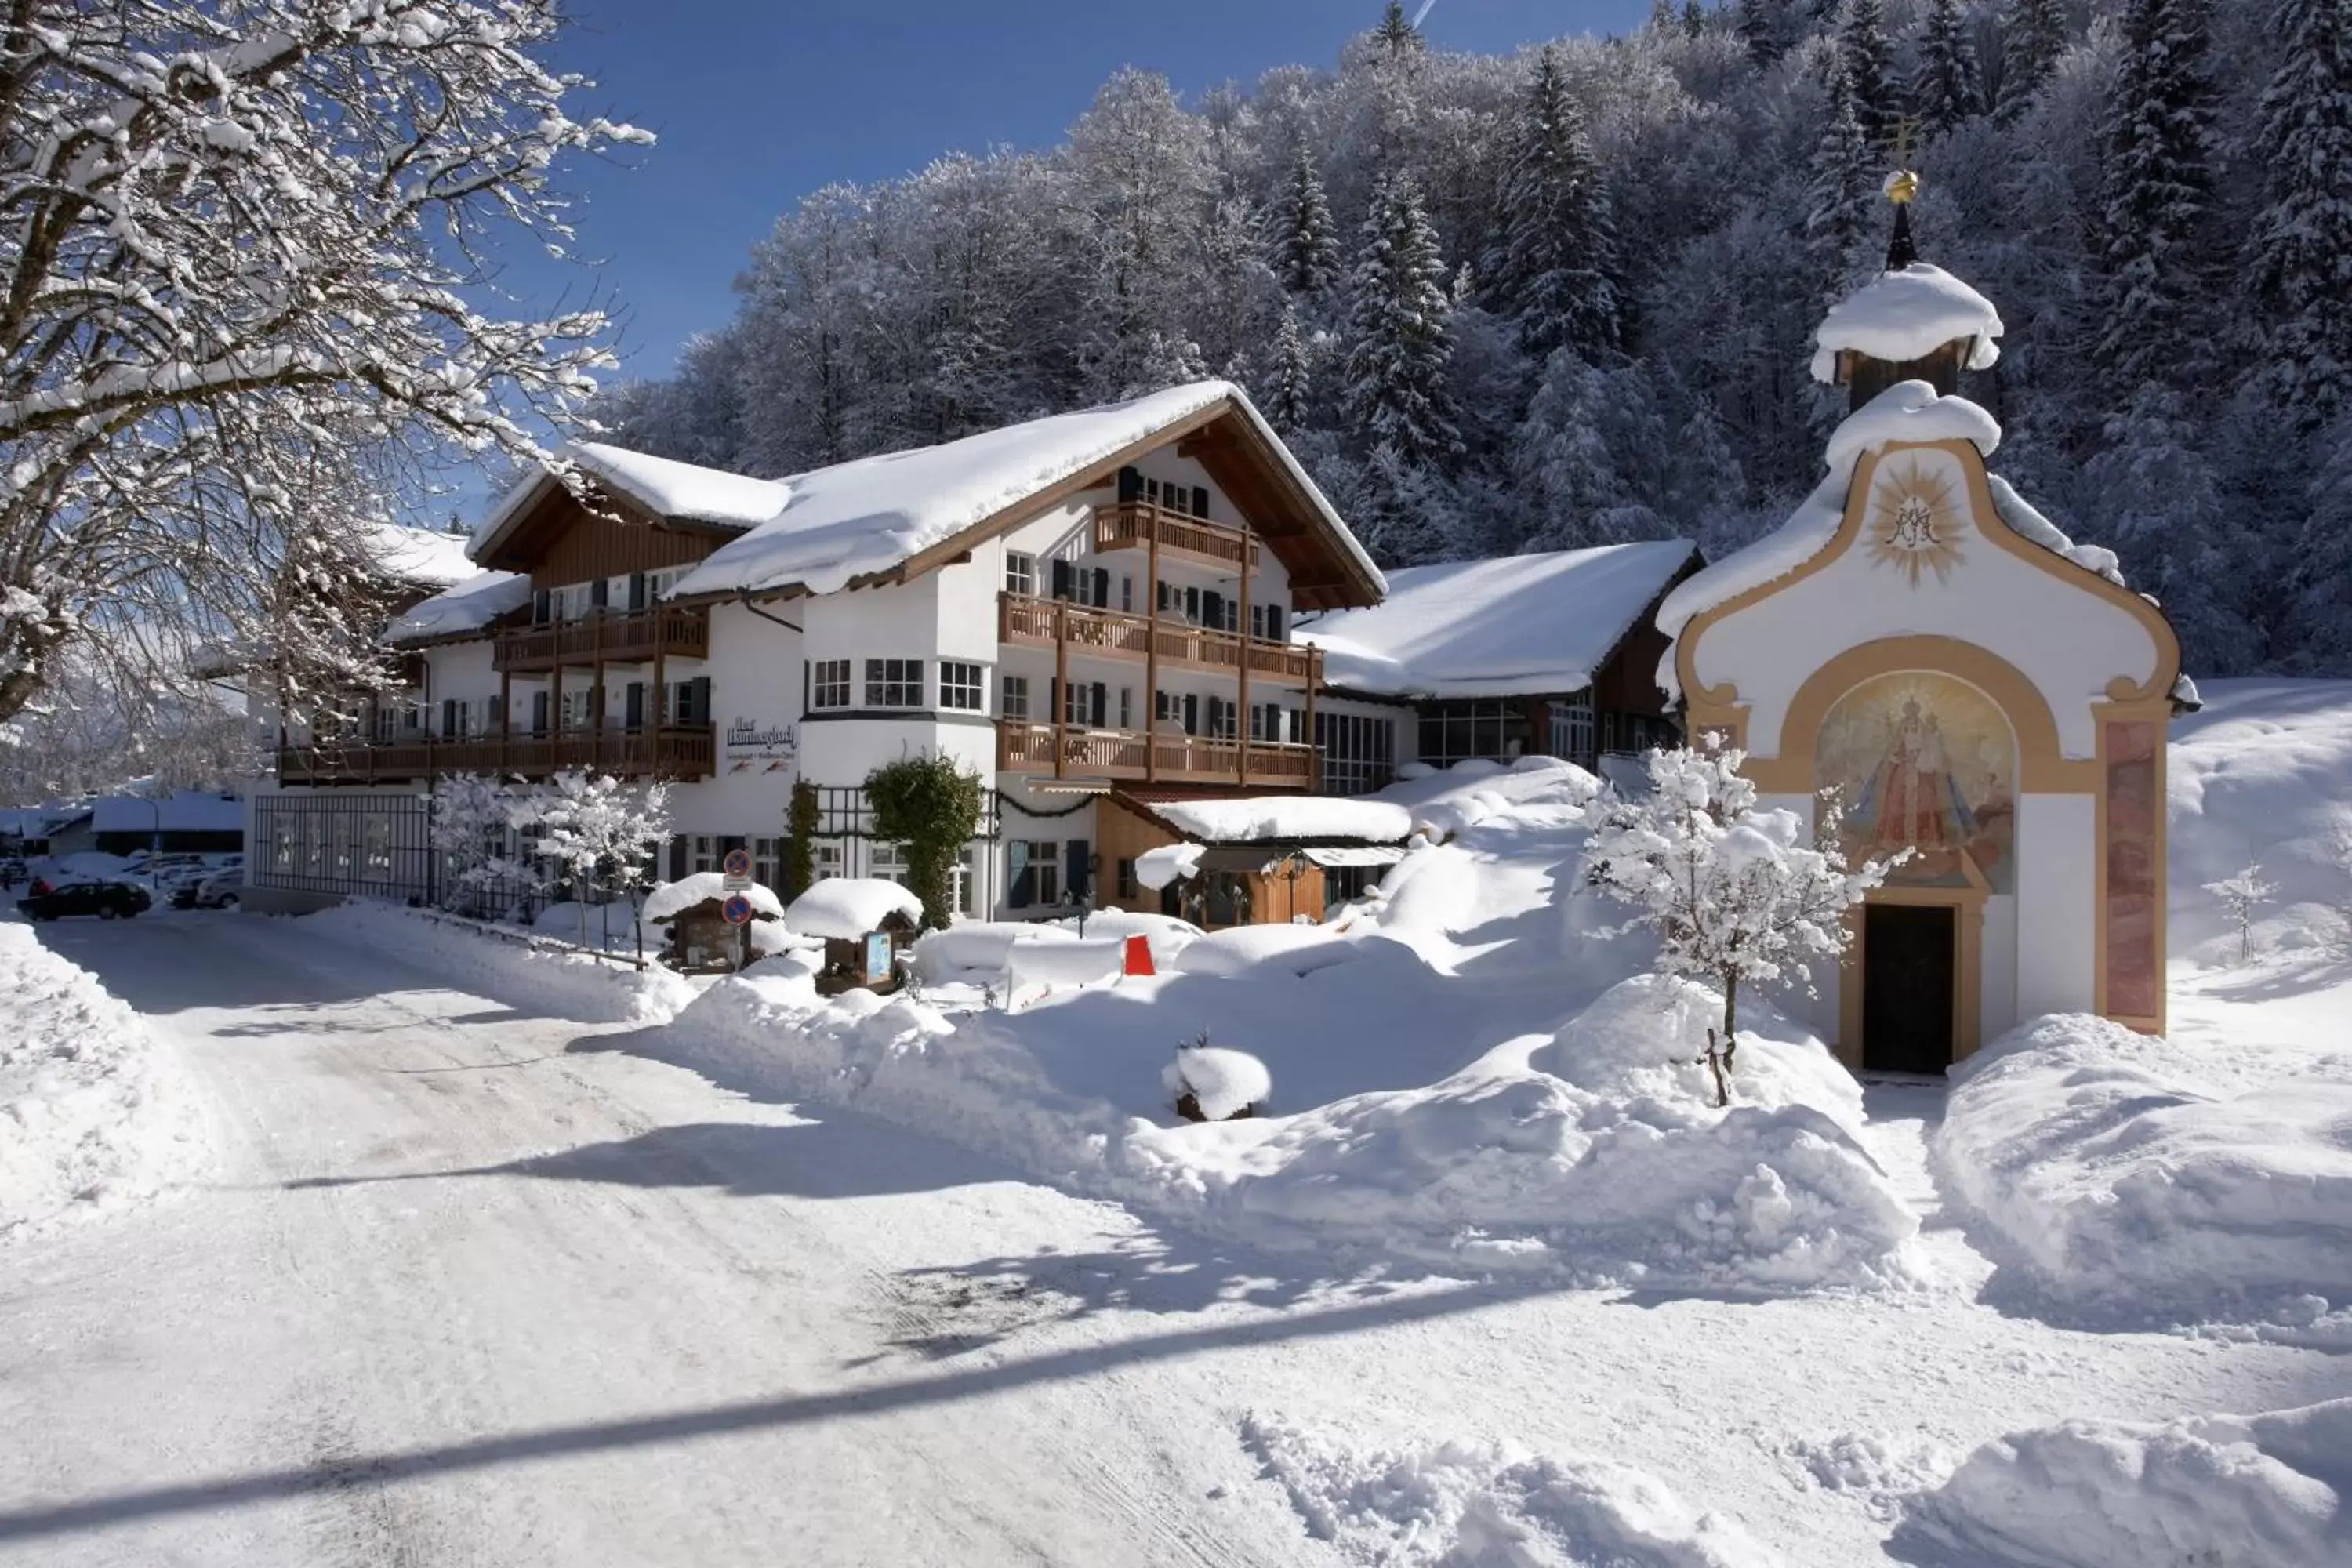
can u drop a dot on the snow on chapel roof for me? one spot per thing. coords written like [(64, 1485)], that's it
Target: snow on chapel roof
[(1513, 626), (1907, 315), (872, 513)]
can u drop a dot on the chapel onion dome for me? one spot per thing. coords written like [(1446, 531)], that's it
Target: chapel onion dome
[(1911, 322)]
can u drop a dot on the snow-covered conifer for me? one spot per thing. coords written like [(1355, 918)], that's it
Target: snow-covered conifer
[(240, 288), (1290, 379), (1869, 60), (1841, 197), (1764, 26), (2300, 244), (1305, 241), (1736, 895), (1553, 266), (1946, 89), (2032, 37), (1396, 32), (1396, 387), (2160, 250)]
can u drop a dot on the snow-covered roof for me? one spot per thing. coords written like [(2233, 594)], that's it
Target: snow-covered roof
[(1262, 819), (421, 555), (1908, 411), (671, 900), (871, 514), (467, 608), (1516, 625), (1908, 315), (683, 492), (190, 811), (845, 908)]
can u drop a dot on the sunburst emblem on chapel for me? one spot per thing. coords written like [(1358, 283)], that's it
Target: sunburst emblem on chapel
[(1916, 522)]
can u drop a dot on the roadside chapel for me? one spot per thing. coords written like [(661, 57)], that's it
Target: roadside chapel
[(1921, 651)]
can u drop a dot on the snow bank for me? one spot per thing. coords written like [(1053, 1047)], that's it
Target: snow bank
[(1292, 948), (1516, 625), (467, 607), (2121, 1182), (670, 899), (843, 909), (1460, 1503), (2272, 1489), (1257, 818), (1908, 315), (92, 1117), (1155, 869), (1222, 1081), (1073, 960), (535, 973)]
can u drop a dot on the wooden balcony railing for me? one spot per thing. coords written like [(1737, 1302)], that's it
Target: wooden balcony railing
[(1129, 525), (1112, 634), (1179, 758), (609, 637), (674, 752)]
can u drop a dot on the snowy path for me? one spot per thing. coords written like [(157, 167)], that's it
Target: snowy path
[(471, 1286)]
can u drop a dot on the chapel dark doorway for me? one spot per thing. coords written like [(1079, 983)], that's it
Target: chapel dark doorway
[(1908, 969)]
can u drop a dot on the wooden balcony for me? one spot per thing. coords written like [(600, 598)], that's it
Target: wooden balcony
[(1130, 525), (1073, 750), (673, 752), (606, 637), (1110, 634)]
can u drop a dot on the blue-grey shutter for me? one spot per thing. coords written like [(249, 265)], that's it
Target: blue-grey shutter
[(1193, 603), (599, 592), (1200, 501), (677, 857), (448, 717), (1213, 609), (637, 591), (1061, 579), (1130, 483), (637, 705), (1102, 588), (1191, 713), (542, 608), (699, 698), (539, 712), (1077, 869), (1023, 880), (1274, 629)]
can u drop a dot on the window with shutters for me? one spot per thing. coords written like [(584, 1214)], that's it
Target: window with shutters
[(767, 857), (1016, 697), (1036, 867), (829, 683), (1020, 573), (1086, 702), (963, 686), (576, 708), (702, 853), (826, 859), (894, 683)]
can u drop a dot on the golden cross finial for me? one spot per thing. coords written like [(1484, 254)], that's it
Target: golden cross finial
[(1903, 185)]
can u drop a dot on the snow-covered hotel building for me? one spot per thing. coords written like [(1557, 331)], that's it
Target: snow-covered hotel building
[(1142, 603)]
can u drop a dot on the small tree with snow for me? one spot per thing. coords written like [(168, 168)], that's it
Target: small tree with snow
[(2240, 895), (602, 832), (471, 815), (1735, 894)]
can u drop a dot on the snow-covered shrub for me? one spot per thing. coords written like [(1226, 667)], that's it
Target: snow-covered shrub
[(2240, 895), (603, 834), (1734, 894), (1215, 1083)]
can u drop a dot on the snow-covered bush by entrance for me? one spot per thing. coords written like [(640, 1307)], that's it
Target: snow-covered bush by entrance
[(92, 1115), (2121, 1180), (2273, 1491), (1458, 1503), (1219, 1082)]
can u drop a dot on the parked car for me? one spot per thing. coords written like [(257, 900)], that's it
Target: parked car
[(220, 890), (108, 897)]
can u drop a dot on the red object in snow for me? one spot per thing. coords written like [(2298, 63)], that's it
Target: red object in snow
[(1139, 956)]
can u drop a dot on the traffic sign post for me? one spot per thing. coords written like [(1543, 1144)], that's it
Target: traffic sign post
[(738, 913), (736, 870)]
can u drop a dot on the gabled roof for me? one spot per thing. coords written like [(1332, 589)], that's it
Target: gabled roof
[(1516, 625), (462, 609), (421, 556)]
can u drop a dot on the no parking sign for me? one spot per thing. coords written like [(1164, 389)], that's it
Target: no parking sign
[(736, 909)]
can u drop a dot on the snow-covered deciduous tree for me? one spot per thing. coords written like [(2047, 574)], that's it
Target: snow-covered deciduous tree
[(603, 834), (1736, 895), (1306, 241), (2240, 895), (1398, 343), (2300, 244), (1552, 269), (1946, 89), (237, 293), (475, 820)]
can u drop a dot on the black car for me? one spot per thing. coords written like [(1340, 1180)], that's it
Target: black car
[(105, 898)]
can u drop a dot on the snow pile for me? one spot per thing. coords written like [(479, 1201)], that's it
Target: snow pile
[(1908, 315), (1222, 1081), (467, 607), (1291, 950), (671, 900), (2272, 1489), (1155, 869), (2260, 775), (1884, 1470), (1908, 411), (871, 514), (534, 973), (843, 909), (1596, 1153), (1257, 818), (1513, 625), (977, 952), (2124, 1183), (91, 1118), (684, 492), (1458, 1504), (1073, 960)]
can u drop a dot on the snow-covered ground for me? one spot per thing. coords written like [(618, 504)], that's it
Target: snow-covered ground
[(925, 1279)]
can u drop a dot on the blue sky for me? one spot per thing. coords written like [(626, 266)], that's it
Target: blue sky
[(758, 103)]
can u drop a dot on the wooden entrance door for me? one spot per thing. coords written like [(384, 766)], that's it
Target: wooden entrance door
[(1909, 960)]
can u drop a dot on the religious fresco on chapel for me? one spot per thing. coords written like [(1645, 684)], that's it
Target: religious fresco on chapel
[(1926, 762)]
